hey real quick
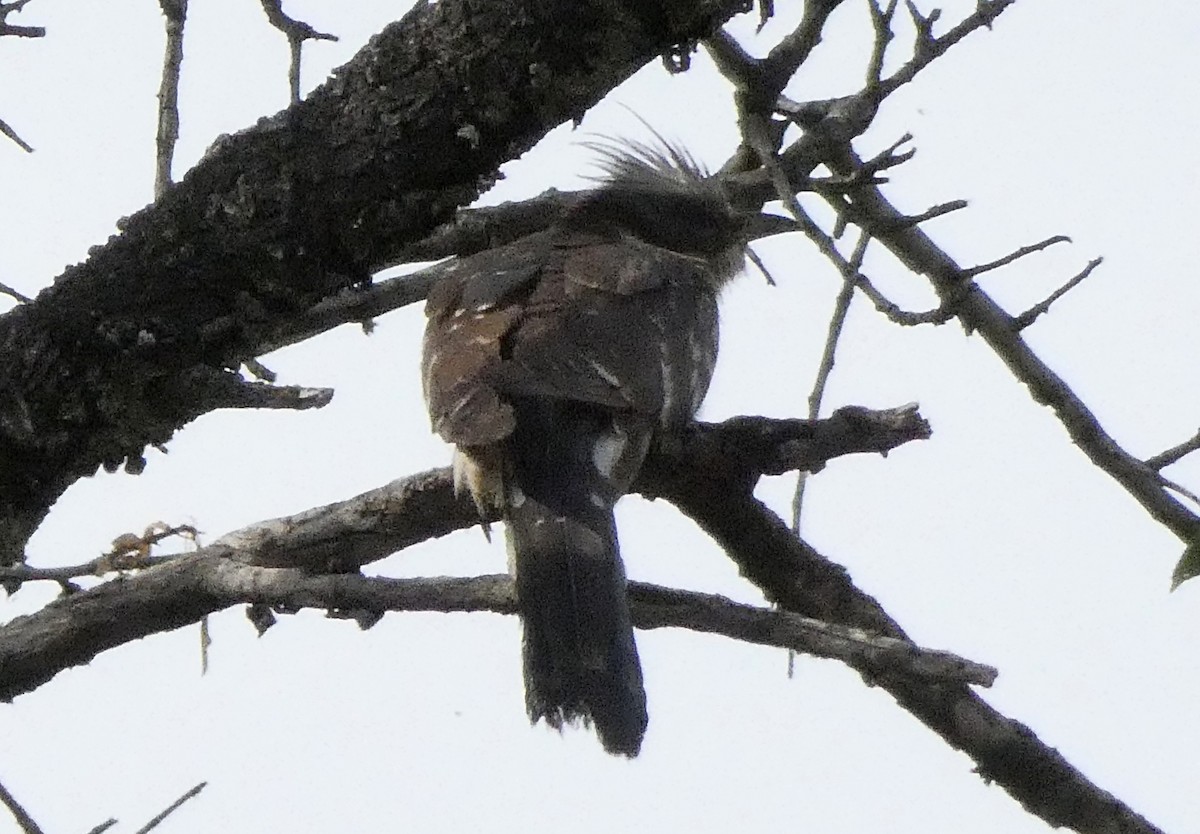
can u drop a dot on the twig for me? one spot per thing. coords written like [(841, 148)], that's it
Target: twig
[(7, 28), (5, 289), (175, 12), (837, 321), (129, 551), (930, 213), (12, 134), (928, 48), (171, 808), (884, 305), (794, 49), (1020, 253), (881, 20), (896, 314), (1030, 316), (20, 814), (1180, 489), (924, 27), (297, 32), (104, 826), (1164, 459)]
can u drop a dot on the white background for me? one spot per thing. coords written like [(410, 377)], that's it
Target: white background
[(995, 539)]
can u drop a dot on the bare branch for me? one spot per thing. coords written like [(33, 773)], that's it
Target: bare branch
[(938, 315), (924, 27), (897, 315), (979, 313), (230, 391), (14, 30), (881, 20), (5, 289), (27, 823), (1180, 490), (837, 321), (1031, 315), (175, 12), (797, 578), (74, 629), (174, 806), (928, 48), (1020, 253), (12, 134), (794, 49), (297, 32), (930, 213), (129, 551), (104, 826), (1164, 459)]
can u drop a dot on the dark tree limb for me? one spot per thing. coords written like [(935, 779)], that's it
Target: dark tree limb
[(271, 566)]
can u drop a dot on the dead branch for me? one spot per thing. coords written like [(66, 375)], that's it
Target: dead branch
[(837, 321), (1018, 254), (297, 32), (797, 578), (1176, 453), (175, 12), (170, 809), (979, 313), (13, 30), (12, 135), (1031, 315), (27, 823)]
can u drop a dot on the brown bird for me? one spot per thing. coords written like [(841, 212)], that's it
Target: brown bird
[(551, 363)]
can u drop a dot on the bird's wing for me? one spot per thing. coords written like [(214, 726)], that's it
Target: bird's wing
[(617, 323), (614, 322)]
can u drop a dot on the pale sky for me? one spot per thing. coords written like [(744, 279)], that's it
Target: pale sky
[(995, 539)]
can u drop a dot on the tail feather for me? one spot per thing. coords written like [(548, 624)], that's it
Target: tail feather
[(580, 657)]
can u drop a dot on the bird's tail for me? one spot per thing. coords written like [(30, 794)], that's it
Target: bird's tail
[(580, 658)]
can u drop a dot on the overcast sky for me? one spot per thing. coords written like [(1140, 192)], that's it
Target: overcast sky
[(995, 539)]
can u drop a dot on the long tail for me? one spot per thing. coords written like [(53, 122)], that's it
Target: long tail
[(580, 658)]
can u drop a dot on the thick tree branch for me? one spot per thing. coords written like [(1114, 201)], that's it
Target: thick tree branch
[(328, 544), (280, 216), (270, 565)]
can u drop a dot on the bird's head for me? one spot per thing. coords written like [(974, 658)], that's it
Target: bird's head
[(662, 195)]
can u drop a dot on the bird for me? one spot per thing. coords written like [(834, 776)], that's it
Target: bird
[(552, 363)]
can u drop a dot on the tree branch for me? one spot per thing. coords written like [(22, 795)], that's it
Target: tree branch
[(27, 823), (979, 313), (175, 12), (797, 578), (294, 210)]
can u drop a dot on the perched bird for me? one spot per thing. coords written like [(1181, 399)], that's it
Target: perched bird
[(550, 363)]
